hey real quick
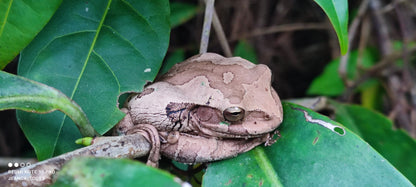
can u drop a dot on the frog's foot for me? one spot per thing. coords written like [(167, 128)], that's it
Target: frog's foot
[(272, 138), (152, 136)]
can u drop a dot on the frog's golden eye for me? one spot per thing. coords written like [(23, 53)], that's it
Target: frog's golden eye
[(233, 113)]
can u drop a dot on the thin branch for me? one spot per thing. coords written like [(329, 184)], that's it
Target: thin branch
[(382, 28), (379, 67), (388, 61), (283, 28), (390, 7), (378, 70), (364, 35), (221, 35), (342, 69), (209, 11)]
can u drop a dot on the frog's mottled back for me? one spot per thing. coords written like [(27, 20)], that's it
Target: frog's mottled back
[(206, 104)]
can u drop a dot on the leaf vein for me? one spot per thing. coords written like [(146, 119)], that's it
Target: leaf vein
[(265, 164), (6, 17), (147, 61)]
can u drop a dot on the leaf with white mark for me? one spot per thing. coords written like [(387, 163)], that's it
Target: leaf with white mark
[(307, 154), (334, 128)]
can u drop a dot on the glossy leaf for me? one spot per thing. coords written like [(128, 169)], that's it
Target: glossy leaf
[(246, 51), (181, 13), (92, 51), (307, 154), (23, 94), (20, 21), (394, 144), (337, 12), (101, 172), (329, 83)]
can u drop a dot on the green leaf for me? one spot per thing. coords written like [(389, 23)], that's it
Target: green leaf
[(247, 169), (92, 51), (307, 154), (20, 21), (329, 83), (246, 51), (394, 144), (337, 12), (181, 13), (101, 172), (23, 94)]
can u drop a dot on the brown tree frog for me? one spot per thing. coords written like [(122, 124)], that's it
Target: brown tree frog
[(204, 109)]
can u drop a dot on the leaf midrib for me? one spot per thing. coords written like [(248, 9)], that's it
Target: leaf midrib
[(265, 164), (91, 48), (6, 16), (100, 25)]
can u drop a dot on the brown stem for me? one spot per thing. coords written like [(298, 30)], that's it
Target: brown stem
[(342, 69), (380, 69), (282, 28), (221, 35)]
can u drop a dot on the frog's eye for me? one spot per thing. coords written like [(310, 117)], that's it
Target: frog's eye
[(233, 113)]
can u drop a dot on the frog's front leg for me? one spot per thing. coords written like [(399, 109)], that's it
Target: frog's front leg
[(126, 126)]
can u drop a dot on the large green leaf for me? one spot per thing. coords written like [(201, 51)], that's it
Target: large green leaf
[(19, 93), (20, 21), (307, 154), (92, 51), (337, 12), (394, 144), (101, 172)]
